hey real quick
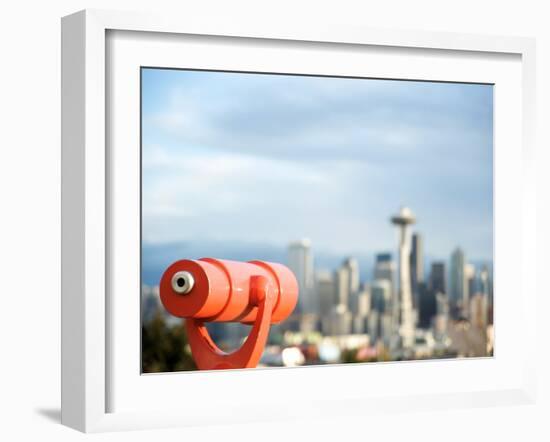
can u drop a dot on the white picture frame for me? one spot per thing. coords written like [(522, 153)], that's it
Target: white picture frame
[(89, 321)]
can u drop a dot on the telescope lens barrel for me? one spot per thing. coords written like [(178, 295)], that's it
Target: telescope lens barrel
[(216, 290), (183, 282)]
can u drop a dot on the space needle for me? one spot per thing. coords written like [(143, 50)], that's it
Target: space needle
[(405, 314)]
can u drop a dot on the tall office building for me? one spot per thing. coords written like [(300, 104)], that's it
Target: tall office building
[(373, 326), (417, 266), (347, 283), (427, 306), (438, 279), (387, 334), (441, 320), (472, 283), (353, 283), (458, 293), (339, 321), (300, 261), (381, 296), (384, 269), (361, 309), (326, 291), (380, 309), (342, 286), (484, 281), (442, 304), (406, 321), (485, 287), (364, 300), (479, 311)]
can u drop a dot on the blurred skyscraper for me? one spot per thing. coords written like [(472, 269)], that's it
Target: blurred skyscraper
[(381, 310), (326, 291), (351, 268), (431, 296), (438, 278), (417, 266), (440, 322), (427, 306), (484, 281), (478, 311), (458, 293), (339, 321), (373, 325), (381, 298), (361, 310), (472, 285), (486, 287), (300, 261), (342, 286), (384, 268)]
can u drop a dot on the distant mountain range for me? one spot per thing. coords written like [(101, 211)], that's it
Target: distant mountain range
[(157, 257)]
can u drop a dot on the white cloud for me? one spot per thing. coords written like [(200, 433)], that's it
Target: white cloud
[(269, 159)]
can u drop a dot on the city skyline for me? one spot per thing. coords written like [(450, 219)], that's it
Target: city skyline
[(155, 257), (448, 276), (402, 314)]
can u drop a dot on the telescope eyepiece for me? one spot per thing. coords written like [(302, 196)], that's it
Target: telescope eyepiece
[(183, 282)]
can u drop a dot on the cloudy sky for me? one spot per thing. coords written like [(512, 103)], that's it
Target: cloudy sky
[(261, 160)]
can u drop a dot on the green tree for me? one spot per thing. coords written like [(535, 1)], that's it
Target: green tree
[(164, 348)]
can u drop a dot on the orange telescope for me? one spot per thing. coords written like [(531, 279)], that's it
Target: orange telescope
[(214, 290)]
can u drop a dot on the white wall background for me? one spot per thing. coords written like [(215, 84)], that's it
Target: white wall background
[(30, 215)]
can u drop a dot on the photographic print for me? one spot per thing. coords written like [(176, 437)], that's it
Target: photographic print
[(302, 220)]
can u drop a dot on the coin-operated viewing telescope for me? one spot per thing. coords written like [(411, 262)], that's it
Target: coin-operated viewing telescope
[(214, 290)]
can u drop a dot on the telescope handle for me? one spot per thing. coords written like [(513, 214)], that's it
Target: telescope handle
[(207, 354)]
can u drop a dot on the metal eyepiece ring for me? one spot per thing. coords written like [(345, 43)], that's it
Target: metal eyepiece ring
[(183, 282)]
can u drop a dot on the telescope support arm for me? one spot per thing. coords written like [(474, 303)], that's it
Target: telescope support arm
[(206, 353)]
